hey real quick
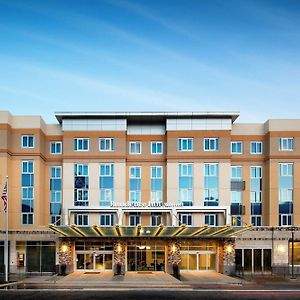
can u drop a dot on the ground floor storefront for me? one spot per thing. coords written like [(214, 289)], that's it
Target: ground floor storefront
[(263, 250), (138, 255)]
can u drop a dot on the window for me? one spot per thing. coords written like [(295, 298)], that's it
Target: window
[(27, 192), (106, 182), (55, 195), (236, 197), (107, 220), (135, 147), (256, 172), (211, 220), (185, 219), (211, 144), (156, 219), (81, 144), (211, 169), (236, 147), (286, 144), (156, 147), (256, 147), (55, 147), (236, 221), (285, 195), (135, 184), (81, 219), (285, 219), (185, 144), (106, 144), (27, 141), (186, 184), (134, 219), (211, 184), (236, 172), (286, 169), (81, 185), (27, 167), (156, 184), (255, 196), (256, 220), (27, 218)]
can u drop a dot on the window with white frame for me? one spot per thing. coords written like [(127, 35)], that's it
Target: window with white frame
[(27, 141), (81, 144), (236, 197), (55, 192), (236, 147), (286, 220), (135, 184), (134, 219), (211, 219), (286, 169), (81, 184), (211, 144), (106, 144), (106, 182), (286, 144), (135, 147), (27, 192), (236, 221), (256, 147), (185, 144), (156, 148), (211, 169), (81, 219), (256, 185), (211, 184), (236, 172), (285, 195), (156, 219), (156, 184), (256, 220), (255, 196), (185, 219), (106, 219), (55, 147), (186, 183)]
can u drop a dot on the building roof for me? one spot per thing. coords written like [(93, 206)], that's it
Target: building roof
[(147, 116)]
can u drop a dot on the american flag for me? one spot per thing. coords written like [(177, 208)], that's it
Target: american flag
[(4, 196)]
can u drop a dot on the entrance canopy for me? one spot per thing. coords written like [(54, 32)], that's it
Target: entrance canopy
[(147, 231)]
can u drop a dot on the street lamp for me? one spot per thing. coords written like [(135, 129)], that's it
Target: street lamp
[(293, 273)]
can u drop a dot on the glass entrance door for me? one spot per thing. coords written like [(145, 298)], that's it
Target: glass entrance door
[(198, 260), (99, 261), (94, 261)]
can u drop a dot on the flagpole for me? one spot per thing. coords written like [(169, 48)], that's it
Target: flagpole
[(6, 256)]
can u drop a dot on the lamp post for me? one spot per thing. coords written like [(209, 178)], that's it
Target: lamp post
[(293, 273)]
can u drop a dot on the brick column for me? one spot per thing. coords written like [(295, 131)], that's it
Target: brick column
[(119, 255), (229, 256), (174, 255), (65, 254)]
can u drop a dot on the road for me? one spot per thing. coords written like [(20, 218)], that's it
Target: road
[(138, 294)]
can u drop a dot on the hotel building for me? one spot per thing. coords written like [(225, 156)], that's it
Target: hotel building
[(145, 191)]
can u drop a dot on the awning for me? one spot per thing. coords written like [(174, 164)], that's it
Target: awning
[(160, 231)]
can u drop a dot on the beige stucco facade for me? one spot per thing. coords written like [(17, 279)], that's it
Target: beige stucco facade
[(143, 128)]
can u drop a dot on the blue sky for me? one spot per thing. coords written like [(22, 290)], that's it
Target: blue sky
[(241, 55)]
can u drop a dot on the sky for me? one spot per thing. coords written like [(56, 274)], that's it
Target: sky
[(154, 55)]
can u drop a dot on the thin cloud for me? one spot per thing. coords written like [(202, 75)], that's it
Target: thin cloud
[(150, 97), (145, 12)]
